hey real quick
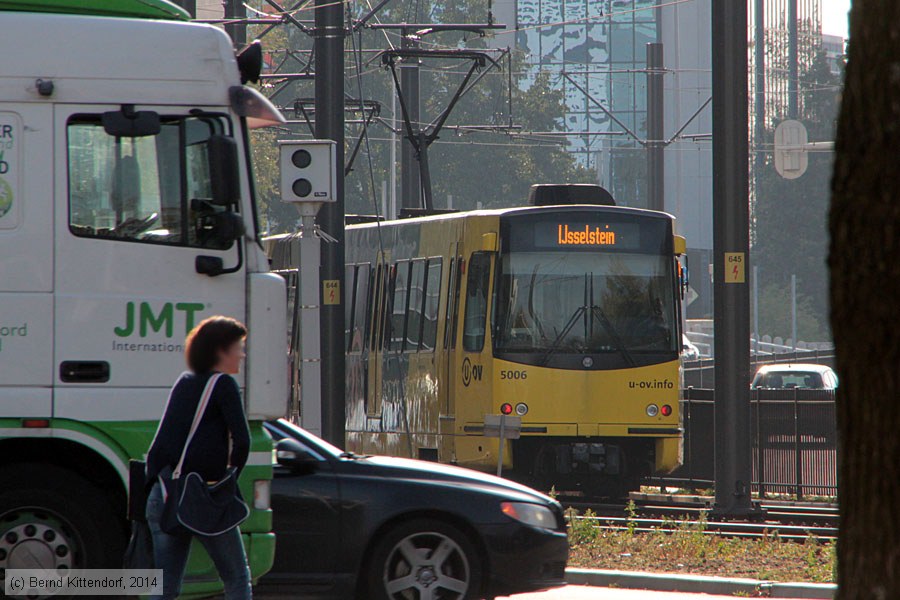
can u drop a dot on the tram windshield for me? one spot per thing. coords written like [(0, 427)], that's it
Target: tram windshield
[(585, 301)]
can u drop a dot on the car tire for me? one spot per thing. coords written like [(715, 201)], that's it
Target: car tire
[(56, 518), (424, 559)]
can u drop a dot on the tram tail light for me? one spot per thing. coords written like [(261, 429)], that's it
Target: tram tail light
[(666, 410), (506, 408)]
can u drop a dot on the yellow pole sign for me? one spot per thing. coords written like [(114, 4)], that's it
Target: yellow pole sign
[(331, 291), (735, 267)]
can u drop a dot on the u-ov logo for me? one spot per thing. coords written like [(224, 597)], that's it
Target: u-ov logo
[(470, 372)]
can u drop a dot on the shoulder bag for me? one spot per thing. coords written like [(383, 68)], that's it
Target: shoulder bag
[(191, 505)]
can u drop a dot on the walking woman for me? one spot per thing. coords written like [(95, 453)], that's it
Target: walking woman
[(220, 441)]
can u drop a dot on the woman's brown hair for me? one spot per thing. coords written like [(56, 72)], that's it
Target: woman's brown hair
[(206, 340)]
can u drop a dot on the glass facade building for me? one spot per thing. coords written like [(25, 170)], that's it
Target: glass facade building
[(595, 50)]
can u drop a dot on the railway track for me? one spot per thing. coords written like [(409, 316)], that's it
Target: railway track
[(794, 521)]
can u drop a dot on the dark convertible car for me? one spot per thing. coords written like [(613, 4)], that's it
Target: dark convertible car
[(376, 528)]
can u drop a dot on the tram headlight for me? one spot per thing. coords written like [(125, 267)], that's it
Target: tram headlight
[(521, 409), (652, 410)]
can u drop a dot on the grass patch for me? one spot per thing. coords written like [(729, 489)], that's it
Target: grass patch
[(686, 547)]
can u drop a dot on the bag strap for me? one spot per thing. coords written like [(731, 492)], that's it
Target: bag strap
[(201, 408)]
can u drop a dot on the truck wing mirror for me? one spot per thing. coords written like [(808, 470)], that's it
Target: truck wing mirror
[(223, 170)]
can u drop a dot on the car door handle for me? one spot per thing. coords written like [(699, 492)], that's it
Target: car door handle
[(84, 371)]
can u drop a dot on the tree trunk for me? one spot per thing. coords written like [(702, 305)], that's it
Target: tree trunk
[(864, 262)]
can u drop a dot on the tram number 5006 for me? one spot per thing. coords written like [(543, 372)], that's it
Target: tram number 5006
[(513, 374)]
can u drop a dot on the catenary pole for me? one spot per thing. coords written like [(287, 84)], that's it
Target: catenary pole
[(411, 183), (656, 145), (731, 241), (329, 99)]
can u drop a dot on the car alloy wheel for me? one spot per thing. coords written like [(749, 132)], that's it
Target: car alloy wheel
[(427, 566)]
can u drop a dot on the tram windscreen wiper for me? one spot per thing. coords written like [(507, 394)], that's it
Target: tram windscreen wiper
[(588, 311), (617, 341), (613, 334), (579, 312)]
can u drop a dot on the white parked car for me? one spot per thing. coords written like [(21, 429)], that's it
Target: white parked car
[(800, 375), (689, 351)]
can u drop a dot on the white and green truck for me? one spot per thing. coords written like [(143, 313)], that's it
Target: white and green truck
[(127, 215)]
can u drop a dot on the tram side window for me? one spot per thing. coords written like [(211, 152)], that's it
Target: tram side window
[(416, 300), (394, 339), (349, 289), (432, 301), (476, 301), (377, 301), (360, 309), (456, 272), (451, 300)]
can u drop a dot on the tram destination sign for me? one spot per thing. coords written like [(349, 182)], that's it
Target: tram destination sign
[(580, 234)]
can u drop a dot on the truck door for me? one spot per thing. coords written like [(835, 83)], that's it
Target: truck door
[(134, 225), (26, 260)]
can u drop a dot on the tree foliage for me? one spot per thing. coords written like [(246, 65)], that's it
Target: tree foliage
[(789, 218)]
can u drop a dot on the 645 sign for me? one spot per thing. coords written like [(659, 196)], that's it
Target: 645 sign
[(471, 372), (735, 267)]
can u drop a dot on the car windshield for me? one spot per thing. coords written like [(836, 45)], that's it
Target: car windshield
[(585, 302), (288, 429), (789, 379)]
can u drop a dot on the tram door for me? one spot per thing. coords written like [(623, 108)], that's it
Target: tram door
[(450, 365)]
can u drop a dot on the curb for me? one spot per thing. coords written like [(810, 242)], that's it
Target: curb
[(676, 582)]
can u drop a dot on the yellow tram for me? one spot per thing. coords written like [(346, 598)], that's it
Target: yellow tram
[(567, 316)]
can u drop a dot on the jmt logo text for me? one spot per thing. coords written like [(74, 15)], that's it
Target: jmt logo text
[(145, 318)]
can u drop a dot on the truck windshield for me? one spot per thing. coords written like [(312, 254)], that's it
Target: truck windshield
[(585, 303)]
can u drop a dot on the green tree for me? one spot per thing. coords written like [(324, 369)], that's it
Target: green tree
[(789, 217)]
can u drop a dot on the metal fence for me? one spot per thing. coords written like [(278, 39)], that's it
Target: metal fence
[(794, 437)]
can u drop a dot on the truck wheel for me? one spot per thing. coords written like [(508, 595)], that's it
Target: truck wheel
[(424, 559), (51, 518)]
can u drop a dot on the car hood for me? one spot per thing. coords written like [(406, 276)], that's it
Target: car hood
[(406, 468)]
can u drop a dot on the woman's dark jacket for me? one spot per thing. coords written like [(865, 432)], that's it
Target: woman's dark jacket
[(208, 454)]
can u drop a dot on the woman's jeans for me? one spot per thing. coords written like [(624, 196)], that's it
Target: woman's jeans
[(170, 553)]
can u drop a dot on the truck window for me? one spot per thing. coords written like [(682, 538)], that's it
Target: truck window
[(153, 189)]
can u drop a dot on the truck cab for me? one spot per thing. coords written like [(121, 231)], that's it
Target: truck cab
[(127, 215)]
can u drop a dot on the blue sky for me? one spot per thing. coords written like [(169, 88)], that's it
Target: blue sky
[(834, 16)]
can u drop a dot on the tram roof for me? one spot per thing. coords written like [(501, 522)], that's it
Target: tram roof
[(515, 211)]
